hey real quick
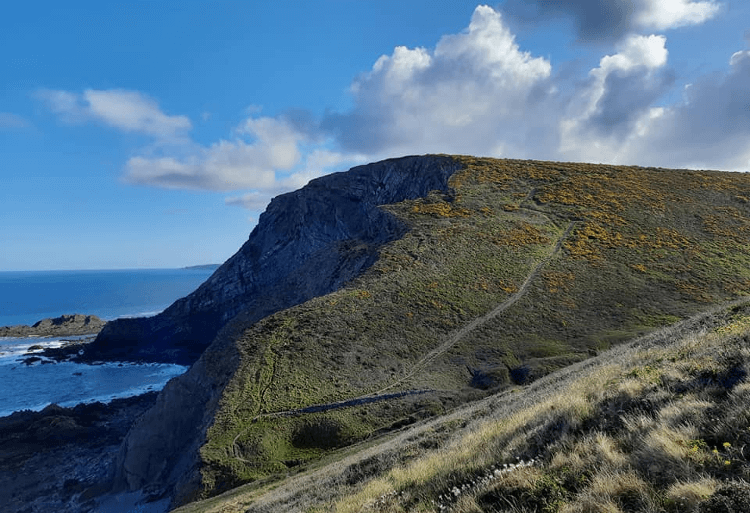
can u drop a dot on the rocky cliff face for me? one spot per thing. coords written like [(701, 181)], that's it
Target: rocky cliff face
[(307, 243)]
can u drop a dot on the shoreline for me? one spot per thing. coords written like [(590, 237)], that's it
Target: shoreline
[(62, 459)]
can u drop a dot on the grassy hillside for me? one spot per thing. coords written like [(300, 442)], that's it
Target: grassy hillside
[(524, 268), (658, 424)]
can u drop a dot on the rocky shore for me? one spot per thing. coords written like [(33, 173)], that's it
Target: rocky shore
[(65, 325), (61, 459)]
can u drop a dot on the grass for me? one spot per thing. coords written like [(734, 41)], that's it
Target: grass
[(658, 424), (648, 247)]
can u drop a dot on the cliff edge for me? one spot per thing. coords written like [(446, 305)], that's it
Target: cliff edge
[(307, 243)]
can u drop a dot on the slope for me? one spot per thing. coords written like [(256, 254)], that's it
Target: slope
[(648, 247), (513, 270), (657, 424)]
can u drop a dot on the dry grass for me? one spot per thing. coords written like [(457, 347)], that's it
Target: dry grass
[(651, 456)]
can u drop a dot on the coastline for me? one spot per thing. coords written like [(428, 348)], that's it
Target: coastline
[(61, 459)]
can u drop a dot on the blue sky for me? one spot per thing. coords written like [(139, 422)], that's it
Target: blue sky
[(152, 134)]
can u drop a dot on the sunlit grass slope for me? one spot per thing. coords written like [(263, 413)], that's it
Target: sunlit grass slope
[(658, 424), (661, 425), (586, 256)]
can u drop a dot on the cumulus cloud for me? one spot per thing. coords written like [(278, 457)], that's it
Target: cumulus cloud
[(316, 164), (711, 127), (463, 96), (277, 158), (708, 129), (476, 92), (666, 14), (130, 111), (225, 165), (620, 92), (608, 20)]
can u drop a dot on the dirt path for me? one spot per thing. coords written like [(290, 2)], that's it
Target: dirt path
[(381, 394), (479, 321)]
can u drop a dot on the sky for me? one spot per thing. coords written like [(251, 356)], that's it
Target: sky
[(152, 134)]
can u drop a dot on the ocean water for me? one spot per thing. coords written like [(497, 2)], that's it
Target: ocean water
[(26, 297)]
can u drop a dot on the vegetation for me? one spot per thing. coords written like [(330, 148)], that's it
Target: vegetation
[(522, 269), (658, 424)]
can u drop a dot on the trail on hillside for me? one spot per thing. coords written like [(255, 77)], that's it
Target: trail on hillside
[(381, 394), (480, 321)]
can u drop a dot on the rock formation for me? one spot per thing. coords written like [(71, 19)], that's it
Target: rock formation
[(65, 325)]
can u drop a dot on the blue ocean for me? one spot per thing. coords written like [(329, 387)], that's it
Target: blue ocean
[(29, 296)]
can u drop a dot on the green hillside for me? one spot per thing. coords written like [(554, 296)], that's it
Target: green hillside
[(524, 268), (658, 424)]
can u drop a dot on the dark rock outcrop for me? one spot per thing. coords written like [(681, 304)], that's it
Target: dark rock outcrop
[(58, 459), (307, 243), (65, 325)]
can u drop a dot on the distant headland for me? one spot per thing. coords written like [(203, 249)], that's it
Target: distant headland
[(202, 267)]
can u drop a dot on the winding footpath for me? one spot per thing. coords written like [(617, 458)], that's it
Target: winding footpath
[(480, 321), (381, 394)]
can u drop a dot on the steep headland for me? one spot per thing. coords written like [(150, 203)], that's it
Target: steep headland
[(371, 299), (307, 243)]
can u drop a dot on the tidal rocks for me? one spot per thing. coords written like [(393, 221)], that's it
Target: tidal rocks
[(59, 459), (65, 325)]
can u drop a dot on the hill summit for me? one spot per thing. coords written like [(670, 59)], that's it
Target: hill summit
[(373, 299)]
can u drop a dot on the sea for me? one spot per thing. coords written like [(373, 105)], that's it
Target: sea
[(29, 296)]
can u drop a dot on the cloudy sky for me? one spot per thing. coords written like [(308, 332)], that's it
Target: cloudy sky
[(152, 134)]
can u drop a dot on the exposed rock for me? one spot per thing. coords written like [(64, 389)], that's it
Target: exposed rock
[(65, 325), (307, 243), (59, 458)]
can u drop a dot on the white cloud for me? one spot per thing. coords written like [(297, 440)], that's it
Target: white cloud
[(610, 20), (225, 165), (463, 96), (710, 129), (666, 14), (8, 120), (647, 51), (277, 158), (617, 101), (476, 92), (130, 111), (317, 163), (737, 57)]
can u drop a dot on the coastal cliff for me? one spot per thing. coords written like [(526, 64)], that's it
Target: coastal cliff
[(372, 299), (307, 243)]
